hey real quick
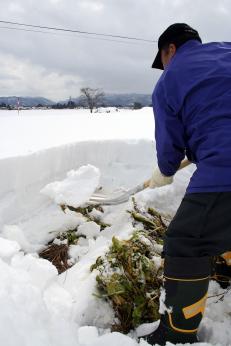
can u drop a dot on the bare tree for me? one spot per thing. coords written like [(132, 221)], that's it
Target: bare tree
[(91, 97)]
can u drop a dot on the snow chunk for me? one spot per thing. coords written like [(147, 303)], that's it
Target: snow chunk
[(89, 229), (77, 251), (146, 328), (58, 301), (24, 317), (163, 308), (8, 248), (87, 335), (41, 271), (14, 233), (114, 339), (76, 189), (158, 261)]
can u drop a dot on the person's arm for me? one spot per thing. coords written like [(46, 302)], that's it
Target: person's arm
[(169, 133)]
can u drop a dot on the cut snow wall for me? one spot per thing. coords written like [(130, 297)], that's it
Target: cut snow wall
[(21, 178)]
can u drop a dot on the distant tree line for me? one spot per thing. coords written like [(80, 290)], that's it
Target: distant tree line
[(92, 99), (5, 106), (68, 105), (89, 98)]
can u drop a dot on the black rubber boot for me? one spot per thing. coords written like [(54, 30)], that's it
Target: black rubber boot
[(186, 285), (164, 334)]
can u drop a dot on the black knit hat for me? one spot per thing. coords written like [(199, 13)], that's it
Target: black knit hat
[(178, 34)]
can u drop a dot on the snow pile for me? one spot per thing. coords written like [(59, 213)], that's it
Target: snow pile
[(8, 248), (28, 312), (38, 305), (76, 189), (89, 230)]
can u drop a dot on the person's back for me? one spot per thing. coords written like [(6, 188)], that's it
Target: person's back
[(192, 108), (197, 88)]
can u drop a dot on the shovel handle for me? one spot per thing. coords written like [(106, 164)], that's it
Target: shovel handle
[(183, 164)]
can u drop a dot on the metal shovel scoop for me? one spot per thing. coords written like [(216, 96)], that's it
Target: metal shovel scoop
[(119, 197)]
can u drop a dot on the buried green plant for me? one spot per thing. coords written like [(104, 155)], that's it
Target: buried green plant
[(150, 219), (70, 236), (86, 212), (129, 277)]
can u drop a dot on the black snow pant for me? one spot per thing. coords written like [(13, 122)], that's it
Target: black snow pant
[(201, 226), (200, 230)]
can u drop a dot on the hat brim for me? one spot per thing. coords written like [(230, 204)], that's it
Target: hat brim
[(157, 63)]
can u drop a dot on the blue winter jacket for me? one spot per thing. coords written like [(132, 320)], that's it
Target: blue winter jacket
[(192, 107)]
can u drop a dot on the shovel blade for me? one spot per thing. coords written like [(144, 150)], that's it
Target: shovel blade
[(115, 198)]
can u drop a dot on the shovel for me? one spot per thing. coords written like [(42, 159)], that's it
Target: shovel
[(119, 197)]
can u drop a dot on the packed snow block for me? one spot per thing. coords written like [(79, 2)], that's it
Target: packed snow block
[(89, 229), (41, 271), (78, 251), (25, 316), (115, 339), (146, 328), (8, 248), (87, 335), (87, 308), (215, 326), (15, 233), (58, 301), (47, 224), (76, 189), (80, 282)]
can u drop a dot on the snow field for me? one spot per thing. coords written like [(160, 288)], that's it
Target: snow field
[(49, 309), (35, 130)]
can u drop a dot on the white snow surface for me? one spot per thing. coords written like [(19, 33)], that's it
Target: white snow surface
[(34, 130), (38, 149), (76, 189)]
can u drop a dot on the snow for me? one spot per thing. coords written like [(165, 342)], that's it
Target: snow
[(76, 189), (87, 335), (89, 229), (25, 316), (114, 150), (35, 130), (8, 248)]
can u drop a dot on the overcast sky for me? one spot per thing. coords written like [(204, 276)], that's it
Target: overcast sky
[(56, 66)]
